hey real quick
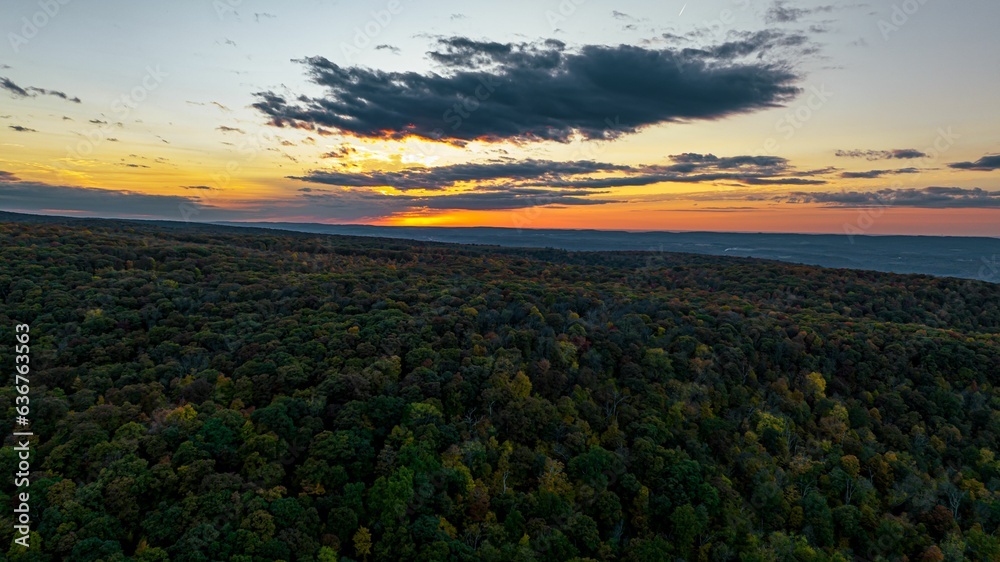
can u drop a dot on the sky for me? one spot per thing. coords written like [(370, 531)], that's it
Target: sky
[(872, 117)]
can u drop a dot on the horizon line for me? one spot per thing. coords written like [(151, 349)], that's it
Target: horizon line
[(508, 228)]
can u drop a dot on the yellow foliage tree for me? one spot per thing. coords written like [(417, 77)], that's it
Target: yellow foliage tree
[(363, 542)]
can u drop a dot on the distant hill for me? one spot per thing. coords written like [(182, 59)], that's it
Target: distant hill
[(975, 258), (943, 256)]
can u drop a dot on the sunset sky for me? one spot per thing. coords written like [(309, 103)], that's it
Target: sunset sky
[(730, 115)]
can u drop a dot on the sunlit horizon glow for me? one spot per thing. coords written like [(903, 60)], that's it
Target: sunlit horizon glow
[(252, 113)]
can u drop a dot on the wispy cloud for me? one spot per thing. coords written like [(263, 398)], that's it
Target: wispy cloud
[(928, 197), (781, 12), (984, 164), (355, 205), (873, 155), (872, 174), (341, 151), (13, 88), (31, 91)]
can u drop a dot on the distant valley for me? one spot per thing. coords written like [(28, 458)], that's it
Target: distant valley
[(943, 256)]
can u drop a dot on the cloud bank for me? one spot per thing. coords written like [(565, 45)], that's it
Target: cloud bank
[(686, 168), (526, 92), (872, 155), (984, 164), (927, 197)]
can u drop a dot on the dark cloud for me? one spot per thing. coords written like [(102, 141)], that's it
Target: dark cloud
[(896, 154), (46, 198), (356, 205), (689, 161), (98, 122), (315, 203), (687, 168), (442, 177), (226, 129), (392, 49), (340, 152), (673, 38), (621, 15), (21, 129), (703, 168), (928, 197), (263, 15), (818, 171), (749, 43), (780, 12), (13, 88), (780, 181), (7, 176), (872, 174), (55, 93), (541, 91), (984, 164), (30, 91)]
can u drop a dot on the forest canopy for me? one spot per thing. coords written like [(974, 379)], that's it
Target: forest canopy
[(205, 393)]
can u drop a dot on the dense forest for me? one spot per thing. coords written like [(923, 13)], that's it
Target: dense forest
[(206, 393)]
